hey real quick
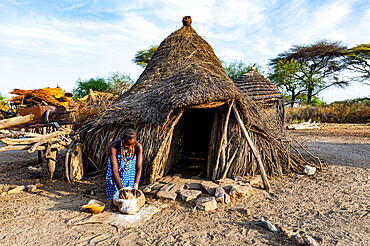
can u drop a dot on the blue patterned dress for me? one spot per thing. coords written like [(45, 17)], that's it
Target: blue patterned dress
[(126, 173)]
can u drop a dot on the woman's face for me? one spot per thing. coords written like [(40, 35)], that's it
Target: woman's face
[(127, 143)]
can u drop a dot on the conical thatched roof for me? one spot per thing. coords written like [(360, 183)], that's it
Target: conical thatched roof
[(184, 71), (255, 85)]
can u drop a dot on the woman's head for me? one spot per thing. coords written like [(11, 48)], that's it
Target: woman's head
[(129, 138)]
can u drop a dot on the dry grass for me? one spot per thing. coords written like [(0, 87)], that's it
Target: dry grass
[(354, 111)]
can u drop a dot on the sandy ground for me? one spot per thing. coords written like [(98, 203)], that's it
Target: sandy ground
[(333, 206)]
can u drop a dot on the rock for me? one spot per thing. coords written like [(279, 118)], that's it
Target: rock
[(193, 186), (4, 193), (167, 187), (309, 240), (187, 195), (297, 239), (197, 178), (177, 187), (157, 186), (220, 194), (224, 181), (166, 195), (210, 187), (165, 180), (237, 178), (286, 232), (16, 190), (149, 187), (153, 192), (226, 198), (177, 175), (206, 203), (309, 170), (240, 190), (267, 225), (31, 188), (255, 181)]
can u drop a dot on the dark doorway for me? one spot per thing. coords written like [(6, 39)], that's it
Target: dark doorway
[(190, 143)]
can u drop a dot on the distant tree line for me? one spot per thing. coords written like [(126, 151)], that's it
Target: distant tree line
[(116, 83)]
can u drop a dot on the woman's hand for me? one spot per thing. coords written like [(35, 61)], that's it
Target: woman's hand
[(123, 194)]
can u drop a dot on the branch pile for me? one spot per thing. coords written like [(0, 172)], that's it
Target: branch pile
[(45, 96)]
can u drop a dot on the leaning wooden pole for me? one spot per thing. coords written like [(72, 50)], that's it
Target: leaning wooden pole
[(253, 148)]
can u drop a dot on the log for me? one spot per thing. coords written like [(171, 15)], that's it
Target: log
[(49, 137), (15, 121), (10, 141), (48, 166), (253, 148)]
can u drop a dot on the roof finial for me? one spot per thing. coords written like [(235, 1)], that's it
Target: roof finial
[(254, 66), (186, 20)]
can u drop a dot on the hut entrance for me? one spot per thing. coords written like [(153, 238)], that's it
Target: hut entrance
[(190, 143)]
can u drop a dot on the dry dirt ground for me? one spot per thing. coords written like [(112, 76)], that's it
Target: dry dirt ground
[(333, 206)]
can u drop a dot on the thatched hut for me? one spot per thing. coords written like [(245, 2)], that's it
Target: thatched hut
[(262, 91), (189, 114)]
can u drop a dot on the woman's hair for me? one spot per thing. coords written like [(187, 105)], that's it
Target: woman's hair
[(129, 134)]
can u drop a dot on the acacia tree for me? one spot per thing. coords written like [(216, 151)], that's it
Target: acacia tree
[(96, 84), (237, 68), (285, 75), (142, 57), (357, 59), (119, 82), (320, 65)]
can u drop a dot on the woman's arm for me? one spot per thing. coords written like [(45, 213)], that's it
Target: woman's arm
[(139, 164), (114, 166)]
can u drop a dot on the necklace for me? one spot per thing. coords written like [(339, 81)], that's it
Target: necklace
[(128, 155)]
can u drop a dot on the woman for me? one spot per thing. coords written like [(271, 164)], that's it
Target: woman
[(124, 165)]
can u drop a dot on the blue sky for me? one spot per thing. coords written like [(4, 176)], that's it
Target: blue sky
[(50, 42)]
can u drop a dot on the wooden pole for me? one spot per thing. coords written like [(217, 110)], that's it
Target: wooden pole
[(212, 145), (223, 142), (15, 121), (254, 150)]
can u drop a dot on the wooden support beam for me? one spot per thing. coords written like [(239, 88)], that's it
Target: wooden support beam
[(253, 148)]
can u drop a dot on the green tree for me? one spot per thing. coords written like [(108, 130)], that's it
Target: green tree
[(119, 82), (321, 65), (237, 68), (286, 76), (2, 100), (142, 57), (357, 59), (96, 84)]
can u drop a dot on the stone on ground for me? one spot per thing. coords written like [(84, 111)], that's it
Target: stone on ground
[(210, 187), (255, 181), (165, 180), (226, 198), (16, 190), (220, 194), (167, 187), (187, 195), (240, 190), (158, 186), (206, 203), (193, 186), (177, 187), (166, 195)]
